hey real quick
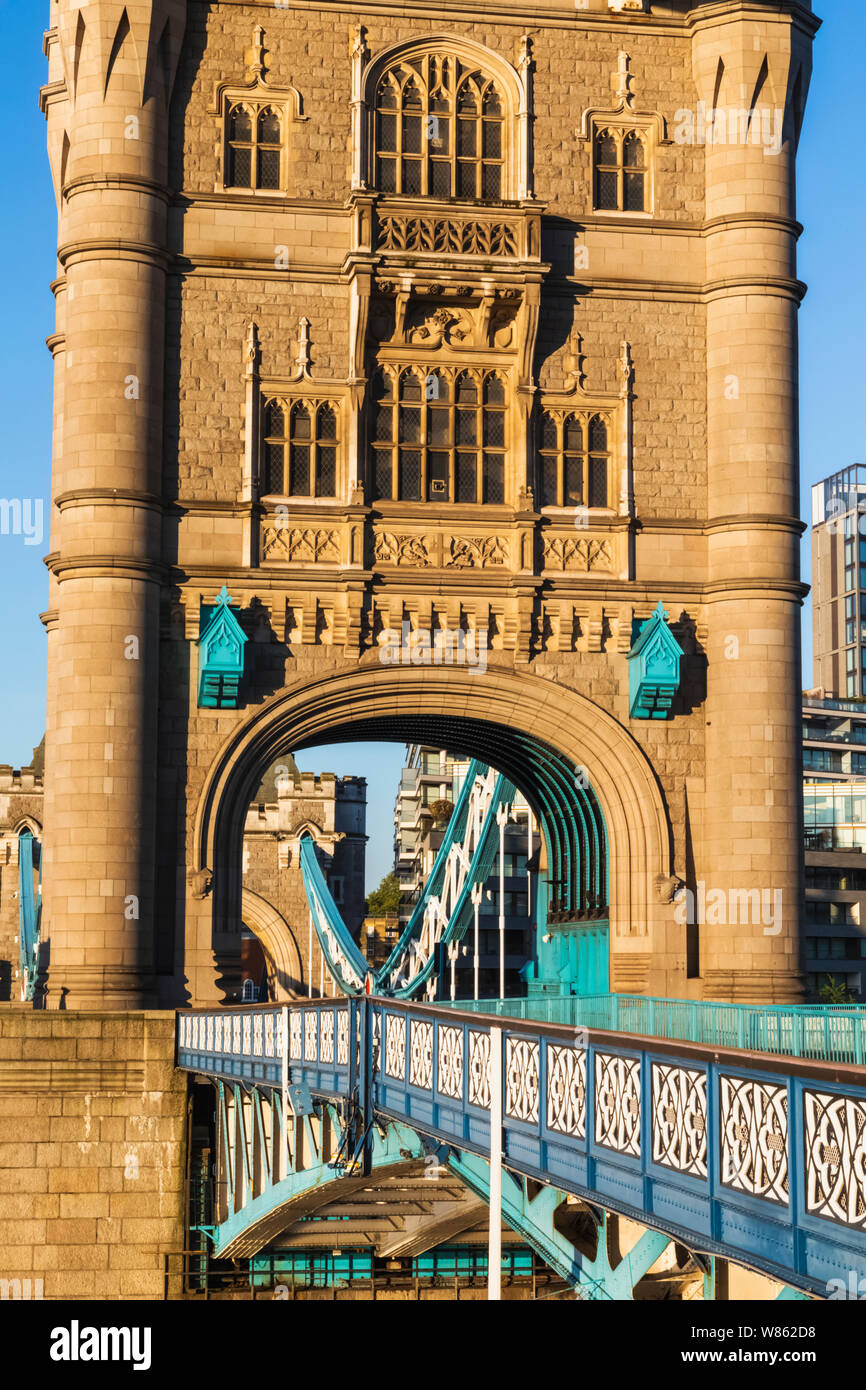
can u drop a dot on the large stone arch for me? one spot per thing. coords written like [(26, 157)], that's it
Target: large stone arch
[(277, 941), (393, 702)]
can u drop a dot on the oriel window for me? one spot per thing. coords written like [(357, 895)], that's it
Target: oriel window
[(439, 131), (439, 437)]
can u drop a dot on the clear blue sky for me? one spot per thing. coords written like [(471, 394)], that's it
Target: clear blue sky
[(832, 204)]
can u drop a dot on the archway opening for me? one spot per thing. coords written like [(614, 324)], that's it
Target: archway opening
[(603, 825), (541, 919)]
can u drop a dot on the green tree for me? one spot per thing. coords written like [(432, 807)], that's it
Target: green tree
[(386, 898), (833, 991)]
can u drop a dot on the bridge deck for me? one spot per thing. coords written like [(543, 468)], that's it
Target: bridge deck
[(759, 1158)]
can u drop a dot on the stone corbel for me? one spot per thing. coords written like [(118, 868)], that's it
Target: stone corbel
[(359, 312), (668, 887), (200, 883), (354, 622), (309, 620), (401, 306), (482, 321), (527, 330)]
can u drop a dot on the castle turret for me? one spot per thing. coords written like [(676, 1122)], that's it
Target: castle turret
[(112, 67), (752, 73)]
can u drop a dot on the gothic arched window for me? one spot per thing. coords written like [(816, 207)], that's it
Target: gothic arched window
[(574, 459), (620, 170), (439, 436), (300, 449), (439, 131), (254, 147)]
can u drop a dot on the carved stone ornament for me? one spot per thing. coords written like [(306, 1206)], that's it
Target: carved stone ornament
[(668, 887), (200, 883), (305, 545), (476, 552), (392, 549), (569, 553)]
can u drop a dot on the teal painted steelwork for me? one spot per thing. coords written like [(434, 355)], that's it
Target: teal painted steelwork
[(417, 1066), (221, 655), (346, 961), (571, 959), (482, 863), (29, 915), (653, 669), (831, 1032), (531, 1215), (390, 1147), (572, 949), (317, 1269)]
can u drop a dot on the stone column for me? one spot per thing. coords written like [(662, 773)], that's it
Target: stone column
[(753, 843), (119, 61)]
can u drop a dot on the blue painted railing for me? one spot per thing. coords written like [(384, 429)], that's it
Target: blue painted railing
[(758, 1159), (830, 1032)]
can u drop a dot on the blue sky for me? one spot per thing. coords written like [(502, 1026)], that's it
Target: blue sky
[(832, 205)]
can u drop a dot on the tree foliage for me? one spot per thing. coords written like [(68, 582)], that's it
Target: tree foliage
[(386, 898)]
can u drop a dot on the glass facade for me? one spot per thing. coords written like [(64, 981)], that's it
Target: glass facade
[(835, 815)]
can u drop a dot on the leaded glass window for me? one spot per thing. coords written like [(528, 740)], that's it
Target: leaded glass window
[(254, 147), (620, 167), (574, 459), (300, 448), (439, 131), (439, 436)]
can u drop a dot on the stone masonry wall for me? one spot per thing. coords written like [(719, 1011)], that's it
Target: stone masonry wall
[(92, 1143)]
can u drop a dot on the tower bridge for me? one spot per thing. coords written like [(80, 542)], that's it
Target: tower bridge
[(367, 320)]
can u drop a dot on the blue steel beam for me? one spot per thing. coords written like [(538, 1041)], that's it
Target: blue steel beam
[(533, 1218), (393, 1149)]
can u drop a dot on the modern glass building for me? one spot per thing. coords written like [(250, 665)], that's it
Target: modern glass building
[(839, 583)]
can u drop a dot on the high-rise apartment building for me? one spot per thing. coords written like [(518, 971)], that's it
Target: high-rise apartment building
[(839, 583)]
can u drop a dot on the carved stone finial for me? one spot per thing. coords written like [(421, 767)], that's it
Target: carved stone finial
[(624, 80), (626, 370), (574, 358), (251, 348), (358, 44), (525, 58), (303, 364), (257, 55)]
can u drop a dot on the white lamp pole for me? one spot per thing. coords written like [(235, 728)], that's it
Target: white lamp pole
[(528, 870), (502, 820), (310, 959), (494, 1236), (477, 891)]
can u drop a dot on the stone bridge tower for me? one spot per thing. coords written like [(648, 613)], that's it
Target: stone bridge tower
[(484, 328)]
